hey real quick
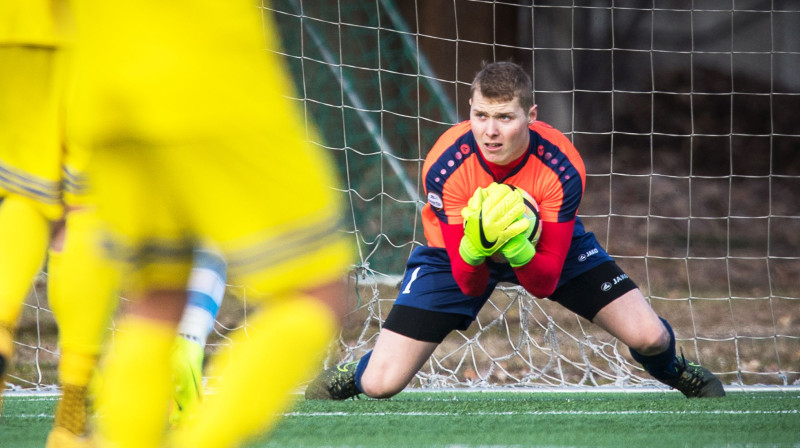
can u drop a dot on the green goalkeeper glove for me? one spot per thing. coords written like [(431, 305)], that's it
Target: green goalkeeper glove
[(470, 248), (518, 250), (492, 217), (503, 209)]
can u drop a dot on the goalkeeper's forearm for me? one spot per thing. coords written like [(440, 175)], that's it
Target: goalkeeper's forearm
[(540, 276), (472, 280)]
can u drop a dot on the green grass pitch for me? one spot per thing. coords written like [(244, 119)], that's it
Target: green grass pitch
[(500, 419)]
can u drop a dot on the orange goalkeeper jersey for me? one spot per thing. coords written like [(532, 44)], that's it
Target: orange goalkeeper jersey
[(551, 171)]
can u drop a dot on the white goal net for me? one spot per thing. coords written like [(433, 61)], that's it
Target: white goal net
[(683, 111)]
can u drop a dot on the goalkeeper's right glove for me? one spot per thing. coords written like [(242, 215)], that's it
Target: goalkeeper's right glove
[(518, 250), (470, 248)]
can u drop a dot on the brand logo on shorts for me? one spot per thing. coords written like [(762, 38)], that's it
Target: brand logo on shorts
[(435, 200), (584, 256), (606, 286)]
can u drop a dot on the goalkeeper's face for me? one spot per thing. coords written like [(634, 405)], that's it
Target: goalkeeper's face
[(500, 127)]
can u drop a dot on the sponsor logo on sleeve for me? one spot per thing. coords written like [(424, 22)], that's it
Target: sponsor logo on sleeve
[(435, 200)]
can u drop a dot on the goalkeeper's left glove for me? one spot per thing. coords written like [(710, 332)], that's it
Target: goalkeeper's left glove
[(518, 250), (502, 212)]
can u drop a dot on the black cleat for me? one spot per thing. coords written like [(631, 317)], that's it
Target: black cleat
[(336, 383), (695, 381)]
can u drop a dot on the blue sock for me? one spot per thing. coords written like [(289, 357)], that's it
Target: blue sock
[(660, 366), (360, 368)]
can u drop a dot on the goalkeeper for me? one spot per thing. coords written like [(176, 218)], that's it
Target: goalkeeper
[(476, 177)]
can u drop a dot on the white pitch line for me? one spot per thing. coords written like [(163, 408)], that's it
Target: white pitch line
[(455, 414), (489, 414), (26, 416)]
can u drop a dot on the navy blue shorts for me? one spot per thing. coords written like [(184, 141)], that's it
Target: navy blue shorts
[(430, 303)]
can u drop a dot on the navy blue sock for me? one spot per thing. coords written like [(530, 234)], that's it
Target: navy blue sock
[(360, 368), (660, 366)]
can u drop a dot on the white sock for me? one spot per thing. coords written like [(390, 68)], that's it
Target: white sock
[(206, 290)]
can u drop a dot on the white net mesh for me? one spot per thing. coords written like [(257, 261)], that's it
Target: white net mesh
[(675, 106)]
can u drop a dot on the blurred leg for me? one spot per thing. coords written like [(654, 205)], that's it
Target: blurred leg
[(24, 236), (283, 345), (133, 400), (82, 292)]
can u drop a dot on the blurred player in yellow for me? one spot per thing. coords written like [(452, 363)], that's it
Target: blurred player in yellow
[(40, 177), (40, 174), (195, 143), (32, 76)]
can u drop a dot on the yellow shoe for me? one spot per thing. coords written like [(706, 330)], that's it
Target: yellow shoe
[(187, 377), (61, 437)]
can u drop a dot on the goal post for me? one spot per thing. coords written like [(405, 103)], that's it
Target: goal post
[(684, 113)]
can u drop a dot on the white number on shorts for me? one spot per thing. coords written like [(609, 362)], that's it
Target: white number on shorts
[(413, 277)]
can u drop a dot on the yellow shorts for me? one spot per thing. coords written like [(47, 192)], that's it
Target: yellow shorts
[(31, 131), (34, 42), (194, 143), (43, 23), (75, 185), (277, 226)]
